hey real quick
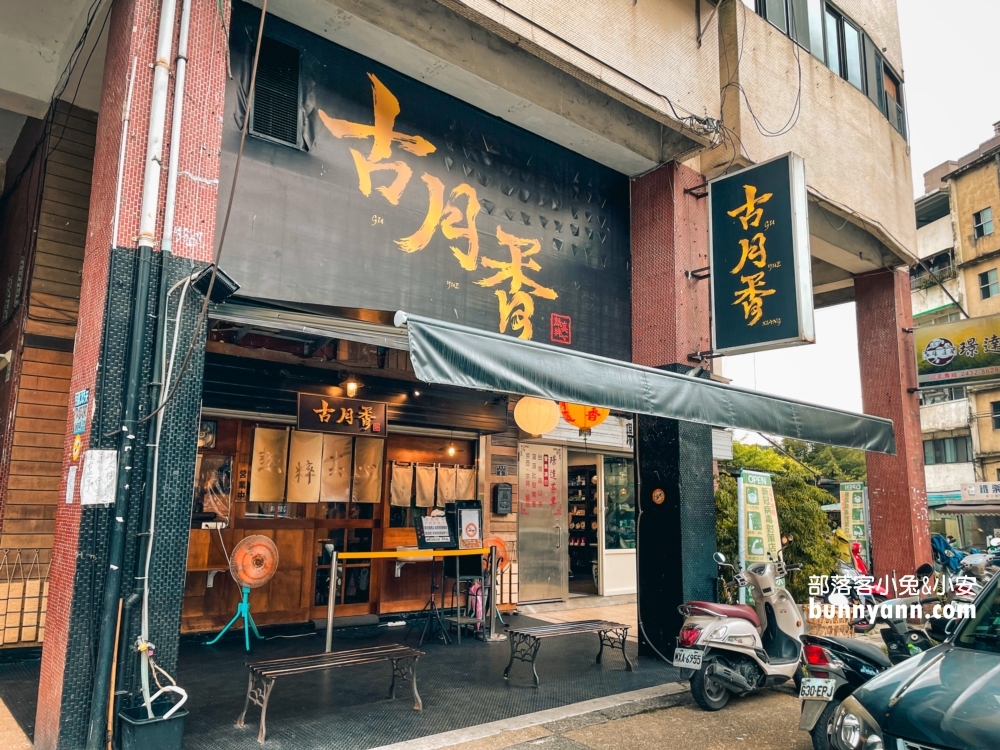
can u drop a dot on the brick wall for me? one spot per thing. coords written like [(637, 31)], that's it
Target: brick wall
[(670, 312), (896, 489)]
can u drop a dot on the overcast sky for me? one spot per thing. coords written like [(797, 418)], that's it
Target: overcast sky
[(950, 62)]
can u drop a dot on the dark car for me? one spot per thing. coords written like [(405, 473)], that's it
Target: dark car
[(947, 698)]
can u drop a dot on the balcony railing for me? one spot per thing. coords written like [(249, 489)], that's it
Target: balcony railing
[(923, 280)]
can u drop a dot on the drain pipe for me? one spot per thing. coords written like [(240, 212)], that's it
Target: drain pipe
[(129, 474), (166, 243)]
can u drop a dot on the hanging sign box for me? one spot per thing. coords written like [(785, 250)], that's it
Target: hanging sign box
[(759, 258), (346, 416)]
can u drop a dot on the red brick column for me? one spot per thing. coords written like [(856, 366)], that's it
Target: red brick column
[(670, 312), (63, 708), (896, 490)]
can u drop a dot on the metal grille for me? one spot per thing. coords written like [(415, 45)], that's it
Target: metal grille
[(24, 592), (275, 111)]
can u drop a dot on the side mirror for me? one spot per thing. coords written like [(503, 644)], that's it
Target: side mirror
[(994, 541), (719, 558)]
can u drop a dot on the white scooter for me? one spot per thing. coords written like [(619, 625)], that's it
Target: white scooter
[(736, 648)]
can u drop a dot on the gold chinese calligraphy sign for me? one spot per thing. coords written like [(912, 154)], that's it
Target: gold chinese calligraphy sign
[(759, 258), (345, 416)]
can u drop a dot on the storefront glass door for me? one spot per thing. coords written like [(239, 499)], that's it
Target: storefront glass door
[(542, 524)]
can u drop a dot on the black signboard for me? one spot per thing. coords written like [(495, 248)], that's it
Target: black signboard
[(761, 269), (346, 416), (401, 197)]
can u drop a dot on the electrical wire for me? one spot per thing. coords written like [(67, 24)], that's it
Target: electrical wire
[(203, 315)]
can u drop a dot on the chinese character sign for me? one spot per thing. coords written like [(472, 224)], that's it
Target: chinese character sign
[(854, 515), (761, 269), (405, 198), (760, 533), (964, 351), (320, 413)]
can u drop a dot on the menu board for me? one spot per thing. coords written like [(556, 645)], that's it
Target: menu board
[(538, 488)]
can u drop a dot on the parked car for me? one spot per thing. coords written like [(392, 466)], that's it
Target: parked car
[(942, 699)]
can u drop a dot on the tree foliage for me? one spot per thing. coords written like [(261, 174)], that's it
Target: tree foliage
[(799, 514), (832, 462)]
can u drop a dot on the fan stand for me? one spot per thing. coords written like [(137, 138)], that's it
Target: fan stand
[(242, 610)]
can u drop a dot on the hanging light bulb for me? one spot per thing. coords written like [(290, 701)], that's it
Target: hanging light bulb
[(351, 385), (451, 449)]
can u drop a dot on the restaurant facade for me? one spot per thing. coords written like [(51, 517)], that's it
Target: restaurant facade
[(370, 266)]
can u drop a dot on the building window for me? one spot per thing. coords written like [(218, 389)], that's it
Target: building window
[(982, 223), (989, 285), (842, 46), (277, 95), (995, 410), (953, 450)]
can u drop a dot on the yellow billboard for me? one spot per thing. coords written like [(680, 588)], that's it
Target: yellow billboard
[(965, 351)]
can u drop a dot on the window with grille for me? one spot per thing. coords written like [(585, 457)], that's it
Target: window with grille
[(276, 100)]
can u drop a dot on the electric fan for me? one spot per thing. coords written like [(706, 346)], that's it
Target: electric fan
[(253, 562)]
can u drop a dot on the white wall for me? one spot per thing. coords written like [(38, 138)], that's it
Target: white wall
[(935, 237), (944, 477), (950, 415)]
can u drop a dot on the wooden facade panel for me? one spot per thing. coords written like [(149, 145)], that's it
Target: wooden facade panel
[(34, 468), (47, 369), (41, 411), (32, 497), (45, 455), (52, 302), (26, 541), (62, 276), (47, 512), (40, 439), (47, 426), (45, 384), (58, 262), (69, 212), (56, 288), (71, 159), (24, 526), (34, 354), (59, 220), (77, 174), (60, 249), (58, 235), (64, 185), (84, 149), (57, 330)]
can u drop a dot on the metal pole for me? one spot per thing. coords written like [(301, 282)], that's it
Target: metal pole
[(741, 537), (330, 601), (492, 637)]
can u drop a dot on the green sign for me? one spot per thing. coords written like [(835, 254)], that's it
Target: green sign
[(759, 257), (854, 515), (759, 528)]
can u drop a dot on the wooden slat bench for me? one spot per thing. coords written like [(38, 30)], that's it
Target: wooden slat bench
[(524, 642), (263, 674)]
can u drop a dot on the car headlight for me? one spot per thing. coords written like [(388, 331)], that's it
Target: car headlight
[(854, 728)]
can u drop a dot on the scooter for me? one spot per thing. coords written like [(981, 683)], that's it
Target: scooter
[(736, 648), (836, 666)]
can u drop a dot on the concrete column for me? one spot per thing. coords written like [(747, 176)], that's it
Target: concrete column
[(896, 489), (81, 534), (670, 322)]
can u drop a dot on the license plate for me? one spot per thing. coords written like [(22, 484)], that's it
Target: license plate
[(815, 689), (687, 658)]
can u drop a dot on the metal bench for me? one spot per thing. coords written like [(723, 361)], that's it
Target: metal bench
[(524, 642), (263, 674)]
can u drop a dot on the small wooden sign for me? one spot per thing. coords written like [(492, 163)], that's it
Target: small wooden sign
[(345, 416)]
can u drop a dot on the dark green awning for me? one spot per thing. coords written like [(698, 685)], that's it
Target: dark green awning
[(470, 358)]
